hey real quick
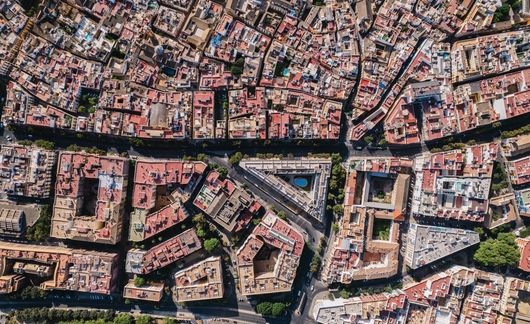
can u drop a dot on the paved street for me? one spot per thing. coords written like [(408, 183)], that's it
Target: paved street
[(312, 231), (301, 79), (242, 313)]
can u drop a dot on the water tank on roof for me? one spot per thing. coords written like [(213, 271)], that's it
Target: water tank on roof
[(159, 50)]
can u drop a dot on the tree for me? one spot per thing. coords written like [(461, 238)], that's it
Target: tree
[(338, 209), (135, 141), (143, 319), (223, 172), (281, 214), (344, 294), (201, 232), (240, 61), (198, 219), (368, 139), (32, 292), (502, 13), (25, 142), (278, 309), (504, 228), (45, 315), (73, 148), (525, 232), (264, 308), (235, 158), (45, 144), (139, 281), (108, 315), (85, 315), (499, 179), (92, 101), (236, 70), (335, 227), (168, 320), (95, 150), (211, 245), (123, 318), (323, 241), (499, 252), (315, 264), (40, 231)]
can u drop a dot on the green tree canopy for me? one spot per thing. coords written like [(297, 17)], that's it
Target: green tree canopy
[(135, 141), (45, 144), (199, 219), (139, 281), (264, 308), (368, 139), (143, 319), (499, 252), (315, 264), (40, 231), (236, 158), (281, 214), (278, 309), (73, 148), (525, 232), (169, 321), (201, 232), (211, 245), (123, 318), (236, 70), (344, 294), (223, 172)]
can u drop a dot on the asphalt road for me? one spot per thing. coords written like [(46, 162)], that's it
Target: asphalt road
[(244, 311), (271, 198), (241, 311), (245, 314)]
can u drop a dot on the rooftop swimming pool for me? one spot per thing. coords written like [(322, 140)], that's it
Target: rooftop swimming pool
[(301, 182)]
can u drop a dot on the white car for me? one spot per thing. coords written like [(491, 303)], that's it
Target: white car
[(8, 137)]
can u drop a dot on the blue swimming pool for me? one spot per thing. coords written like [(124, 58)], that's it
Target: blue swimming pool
[(300, 182), (88, 37)]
